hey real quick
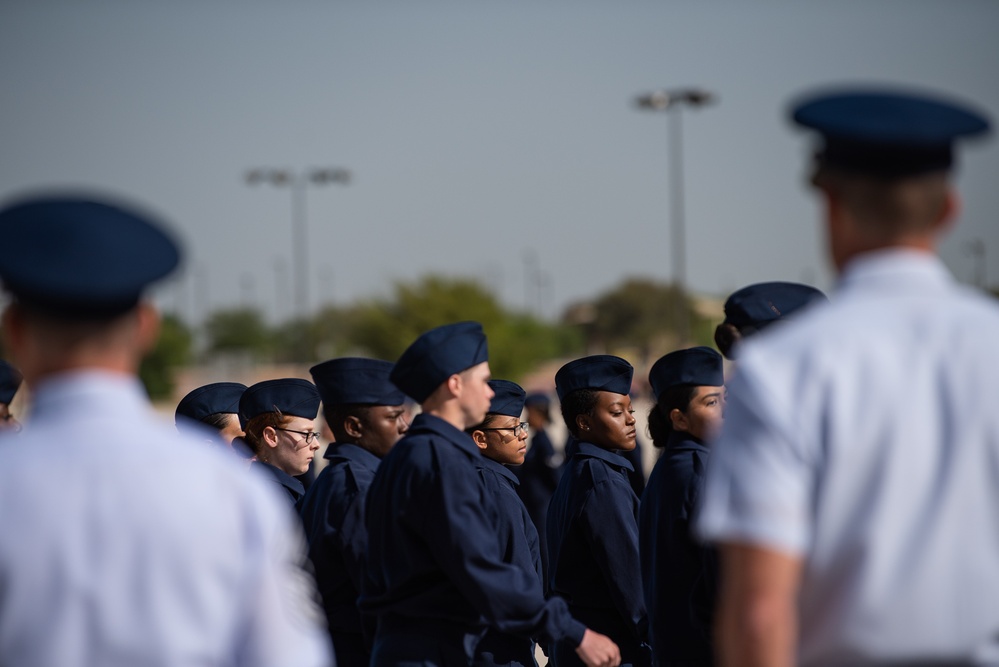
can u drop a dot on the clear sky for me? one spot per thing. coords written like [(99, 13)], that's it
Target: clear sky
[(475, 131)]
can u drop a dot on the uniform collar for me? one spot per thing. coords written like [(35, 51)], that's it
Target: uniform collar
[(431, 424), (616, 460), (348, 451), (681, 440), (498, 468), (89, 392), (895, 267), (283, 478)]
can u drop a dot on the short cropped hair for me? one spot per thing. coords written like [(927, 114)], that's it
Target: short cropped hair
[(575, 403), (888, 207)]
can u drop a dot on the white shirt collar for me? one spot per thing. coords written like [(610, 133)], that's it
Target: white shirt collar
[(895, 267)]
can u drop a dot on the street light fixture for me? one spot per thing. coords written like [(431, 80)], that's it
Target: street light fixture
[(298, 182), (668, 100)]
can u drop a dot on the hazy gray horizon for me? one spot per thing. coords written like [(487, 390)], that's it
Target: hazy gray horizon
[(474, 131)]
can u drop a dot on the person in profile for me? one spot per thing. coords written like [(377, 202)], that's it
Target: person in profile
[(435, 577), (136, 545), (593, 516), (215, 406), (858, 452), (279, 418), (755, 307), (502, 439), (679, 574), (365, 413)]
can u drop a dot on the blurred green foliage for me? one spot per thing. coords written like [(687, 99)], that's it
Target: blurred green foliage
[(173, 349)]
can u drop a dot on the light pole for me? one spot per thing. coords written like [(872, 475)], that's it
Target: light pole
[(667, 100), (298, 182)]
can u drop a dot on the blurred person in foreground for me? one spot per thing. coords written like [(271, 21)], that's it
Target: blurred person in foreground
[(861, 441), (10, 382), (366, 415), (679, 574), (136, 545), (502, 440), (435, 576)]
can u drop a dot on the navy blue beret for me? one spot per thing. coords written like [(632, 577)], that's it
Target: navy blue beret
[(290, 396), (508, 398), (79, 257), (353, 380), (600, 372), (537, 400), (437, 355), (760, 304), (887, 133), (210, 399), (10, 380), (699, 366)]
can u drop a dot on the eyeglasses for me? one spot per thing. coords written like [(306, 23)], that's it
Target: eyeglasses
[(517, 430), (309, 435)]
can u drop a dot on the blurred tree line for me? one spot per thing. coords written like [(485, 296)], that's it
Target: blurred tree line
[(632, 319)]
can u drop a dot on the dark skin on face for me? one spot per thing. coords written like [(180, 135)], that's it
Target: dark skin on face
[(502, 446), (380, 429), (612, 422)]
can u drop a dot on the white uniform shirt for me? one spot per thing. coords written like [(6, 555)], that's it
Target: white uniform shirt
[(123, 543), (864, 438)]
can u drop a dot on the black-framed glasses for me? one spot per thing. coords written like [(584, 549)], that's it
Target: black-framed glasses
[(517, 430), (309, 435)]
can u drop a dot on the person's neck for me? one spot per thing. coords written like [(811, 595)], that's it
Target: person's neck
[(448, 410)]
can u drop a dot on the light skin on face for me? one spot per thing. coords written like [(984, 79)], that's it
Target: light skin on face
[(474, 393), (231, 430), (612, 424), (380, 428), (703, 417), (288, 451), (502, 446)]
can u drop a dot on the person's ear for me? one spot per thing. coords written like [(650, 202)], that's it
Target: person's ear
[(455, 385), (480, 439), (679, 420), (951, 209), (583, 424), (270, 436), (147, 327), (353, 427)]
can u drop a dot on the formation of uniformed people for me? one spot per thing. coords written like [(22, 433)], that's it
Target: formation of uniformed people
[(823, 512)]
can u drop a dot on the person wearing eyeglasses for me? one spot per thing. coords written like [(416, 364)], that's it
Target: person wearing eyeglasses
[(10, 382), (593, 516), (278, 417), (502, 441), (366, 415)]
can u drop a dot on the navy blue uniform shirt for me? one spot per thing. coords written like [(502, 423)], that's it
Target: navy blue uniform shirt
[(593, 549), (636, 474), (538, 477), (435, 575), (518, 546), (680, 575), (290, 486), (333, 516)]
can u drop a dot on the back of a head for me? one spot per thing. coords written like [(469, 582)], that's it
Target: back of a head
[(756, 307)]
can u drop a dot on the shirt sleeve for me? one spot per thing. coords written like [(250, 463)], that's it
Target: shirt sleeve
[(282, 622), (466, 547), (759, 481), (612, 532)]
